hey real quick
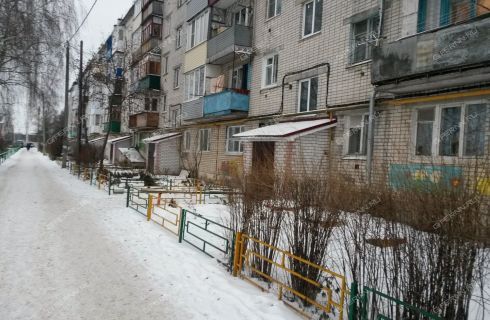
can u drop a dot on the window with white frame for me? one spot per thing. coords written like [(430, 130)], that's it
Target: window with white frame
[(194, 84), (241, 17), (236, 79), (271, 64), (98, 119), (364, 38), (179, 37), (198, 30), (176, 77), (187, 141), (234, 145), (174, 118), (274, 8), (165, 65), (307, 96), (204, 139), (312, 17), (425, 127), (357, 133), (451, 131)]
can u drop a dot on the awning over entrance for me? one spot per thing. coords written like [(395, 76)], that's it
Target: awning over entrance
[(161, 137), (286, 131)]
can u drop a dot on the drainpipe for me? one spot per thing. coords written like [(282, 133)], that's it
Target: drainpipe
[(370, 144)]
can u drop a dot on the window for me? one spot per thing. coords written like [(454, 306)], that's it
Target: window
[(438, 13), (450, 131), (233, 145), (176, 77), (174, 117), (165, 65), (364, 37), (460, 130), (178, 37), (151, 104), (271, 64), (152, 30), (198, 30), (425, 127), (187, 141), (164, 103), (273, 8), (154, 104), (312, 17), (241, 17), (357, 133), (308, 91), (194, 84), (204, 139), (474, 131), (98, 119)]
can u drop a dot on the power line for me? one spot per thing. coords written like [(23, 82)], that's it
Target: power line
[(85, 19)]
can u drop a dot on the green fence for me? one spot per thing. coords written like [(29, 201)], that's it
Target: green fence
[(213, 238), (371, 304), (7, 154)]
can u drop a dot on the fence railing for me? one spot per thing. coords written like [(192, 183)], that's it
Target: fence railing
[(7, 154), (280, 269), (211, 237), (376, 305)]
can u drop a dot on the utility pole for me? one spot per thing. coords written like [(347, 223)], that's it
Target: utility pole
[(80, 108), (67, 83)]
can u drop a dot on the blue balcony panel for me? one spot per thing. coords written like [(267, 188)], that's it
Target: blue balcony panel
[(225, 103)]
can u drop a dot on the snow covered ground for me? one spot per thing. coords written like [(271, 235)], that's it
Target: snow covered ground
[(69, 251)]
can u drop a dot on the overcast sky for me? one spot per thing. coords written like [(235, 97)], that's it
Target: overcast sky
[(93, 33), (101, 21)]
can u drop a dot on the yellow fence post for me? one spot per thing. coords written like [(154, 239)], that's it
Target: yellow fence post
[(237, 258), (150, 207)]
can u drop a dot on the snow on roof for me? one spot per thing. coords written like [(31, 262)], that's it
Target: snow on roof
[(96, 139), (286, 130), (162, 137), (118, 139), (132, 154)]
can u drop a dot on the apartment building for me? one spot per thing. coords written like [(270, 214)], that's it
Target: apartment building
[(324, 73), (216, 72), (433, 67)]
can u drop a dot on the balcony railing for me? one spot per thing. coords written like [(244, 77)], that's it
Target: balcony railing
[(144, 120), (226, 102), (434, 52), (149, 82), (113, 126), (221, 48), (151, 45)]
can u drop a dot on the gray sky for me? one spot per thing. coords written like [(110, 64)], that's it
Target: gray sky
[(101, 21)]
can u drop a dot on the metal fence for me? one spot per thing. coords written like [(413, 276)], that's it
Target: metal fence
[(7, 154)]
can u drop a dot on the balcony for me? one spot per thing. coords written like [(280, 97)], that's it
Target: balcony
[(226, 102), (113, 126), (221, 48), (150, 82), (115, 100), (152, 44), (192, 109), (144, 120), (424, 61), (194, 7), (155, 8)]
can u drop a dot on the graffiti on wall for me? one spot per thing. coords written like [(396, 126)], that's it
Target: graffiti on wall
[(422, 176)]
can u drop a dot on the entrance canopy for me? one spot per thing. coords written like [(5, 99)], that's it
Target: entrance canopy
[(286, 131)]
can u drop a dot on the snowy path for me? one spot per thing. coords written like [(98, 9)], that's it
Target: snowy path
[(68, 251)]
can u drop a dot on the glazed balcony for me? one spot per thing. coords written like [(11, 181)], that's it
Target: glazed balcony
[(155, 8), (144, 120), (193, 109), (149, 82), (227, 102), (222, 47), (434, 55), (194, 7)]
